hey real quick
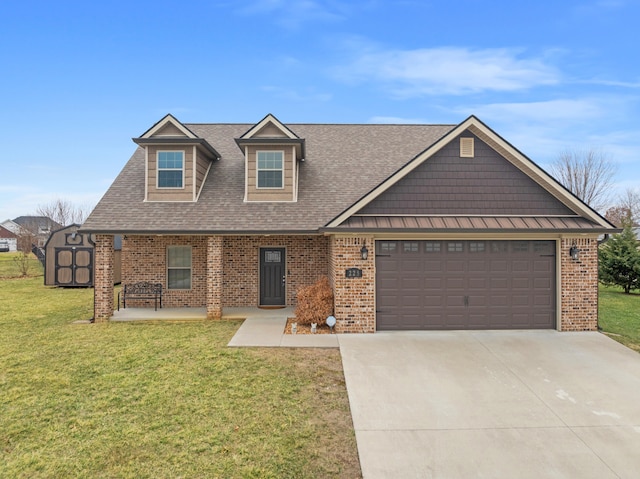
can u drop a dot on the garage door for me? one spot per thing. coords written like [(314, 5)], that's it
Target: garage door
[(465, 285)]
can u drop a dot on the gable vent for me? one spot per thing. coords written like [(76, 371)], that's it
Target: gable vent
[(466, 147)]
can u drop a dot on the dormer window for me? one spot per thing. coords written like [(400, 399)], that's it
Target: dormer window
[(170, 169), (270, 169)]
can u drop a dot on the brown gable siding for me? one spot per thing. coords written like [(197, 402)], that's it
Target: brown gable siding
[(170, 194), (447, 184), (268, 194)]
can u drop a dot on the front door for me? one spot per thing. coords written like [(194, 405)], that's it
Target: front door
[(272, 277)]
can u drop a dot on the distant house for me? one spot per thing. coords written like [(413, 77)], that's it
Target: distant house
[(416, 226), (8, 240), (40, 226)]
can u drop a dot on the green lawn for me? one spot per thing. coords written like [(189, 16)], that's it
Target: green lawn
[(619, 316), (9, 268), (133, 400)]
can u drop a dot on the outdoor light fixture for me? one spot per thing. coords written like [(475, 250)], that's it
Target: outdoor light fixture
[(574, 252), (364, 252)]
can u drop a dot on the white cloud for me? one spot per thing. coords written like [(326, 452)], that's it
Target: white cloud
[(450, 70)]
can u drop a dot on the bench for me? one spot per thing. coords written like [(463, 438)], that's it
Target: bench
[(142, 290)]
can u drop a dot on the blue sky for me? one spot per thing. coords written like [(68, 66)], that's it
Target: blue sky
[(81, 78)]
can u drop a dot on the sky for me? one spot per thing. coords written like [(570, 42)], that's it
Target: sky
[(79, 79)]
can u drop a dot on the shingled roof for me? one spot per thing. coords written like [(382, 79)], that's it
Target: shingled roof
[(342, 164), (345, 167)]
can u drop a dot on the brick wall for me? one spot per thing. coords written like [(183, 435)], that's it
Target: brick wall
[(214, 277), (306, 261), (236, 268), (355, 310), (103, 278), (144, 258), (579, 280)]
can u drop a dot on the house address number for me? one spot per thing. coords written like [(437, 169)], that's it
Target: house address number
[(353, 273)]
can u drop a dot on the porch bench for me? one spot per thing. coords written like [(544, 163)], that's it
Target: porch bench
[(141, 290)]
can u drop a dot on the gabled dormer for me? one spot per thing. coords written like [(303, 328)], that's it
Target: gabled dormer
[(272, 153), (177, 161)]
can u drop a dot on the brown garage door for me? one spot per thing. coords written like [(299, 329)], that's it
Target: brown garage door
[(465, 285)]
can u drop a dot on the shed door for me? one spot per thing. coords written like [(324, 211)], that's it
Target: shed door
[(465, 285), (73, 266)]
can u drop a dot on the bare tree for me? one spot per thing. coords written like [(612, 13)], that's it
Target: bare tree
[(587, 174), (64, 212), (631, 201), (627, 210)]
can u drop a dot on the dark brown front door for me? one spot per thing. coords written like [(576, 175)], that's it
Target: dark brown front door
[(272, 277), (465, 285)]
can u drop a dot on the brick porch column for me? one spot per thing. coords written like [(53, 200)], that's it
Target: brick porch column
[(354, 298), (214, 277), (579, 285), (103, 278)]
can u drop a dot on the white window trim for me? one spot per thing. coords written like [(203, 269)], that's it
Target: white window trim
[(170, 268), (258, 170), (158, 169)]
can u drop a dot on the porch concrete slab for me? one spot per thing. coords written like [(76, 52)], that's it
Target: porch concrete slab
[(265, 328), (259, 332), (493, 404)]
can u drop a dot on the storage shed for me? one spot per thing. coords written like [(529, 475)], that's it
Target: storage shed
[(69, 258)]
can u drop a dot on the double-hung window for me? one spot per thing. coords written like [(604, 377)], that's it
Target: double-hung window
[(270, 169), (179, 267), (170, 169)]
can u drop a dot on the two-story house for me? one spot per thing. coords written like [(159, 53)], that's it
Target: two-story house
[(416, 226)]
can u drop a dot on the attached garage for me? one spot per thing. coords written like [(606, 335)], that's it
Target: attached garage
[(470, 284)]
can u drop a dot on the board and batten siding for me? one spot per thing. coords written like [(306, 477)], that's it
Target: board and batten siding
[(288, 192)]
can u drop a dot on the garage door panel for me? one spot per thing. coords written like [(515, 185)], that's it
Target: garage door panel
[(466, 285), (455, 282)]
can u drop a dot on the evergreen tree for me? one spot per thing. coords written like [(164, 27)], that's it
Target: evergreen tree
[(620, 260)]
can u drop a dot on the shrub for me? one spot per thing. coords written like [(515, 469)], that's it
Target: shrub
[(315, 302)]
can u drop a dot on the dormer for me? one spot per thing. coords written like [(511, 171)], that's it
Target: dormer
[(177, 161), (272, 153)]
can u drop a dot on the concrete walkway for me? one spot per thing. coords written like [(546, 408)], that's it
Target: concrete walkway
[(493, 404), (265, 328)]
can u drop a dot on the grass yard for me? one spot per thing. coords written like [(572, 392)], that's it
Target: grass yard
[(9, 268), (619, 316), (150, 400)]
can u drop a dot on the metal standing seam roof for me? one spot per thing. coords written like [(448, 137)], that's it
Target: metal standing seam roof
[(470, 223)]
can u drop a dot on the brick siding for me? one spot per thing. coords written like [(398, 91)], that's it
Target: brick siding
[(579, 285), (144, 258), (235, 268), (103, 278), (355, 308), (306, 261)]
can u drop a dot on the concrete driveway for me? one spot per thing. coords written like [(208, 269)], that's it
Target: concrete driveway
[(492, 404)]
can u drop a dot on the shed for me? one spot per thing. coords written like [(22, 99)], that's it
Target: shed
[(69, 258)]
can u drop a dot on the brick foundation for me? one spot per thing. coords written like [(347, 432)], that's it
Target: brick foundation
[(579, 285), (103, 278), (355, 308)]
